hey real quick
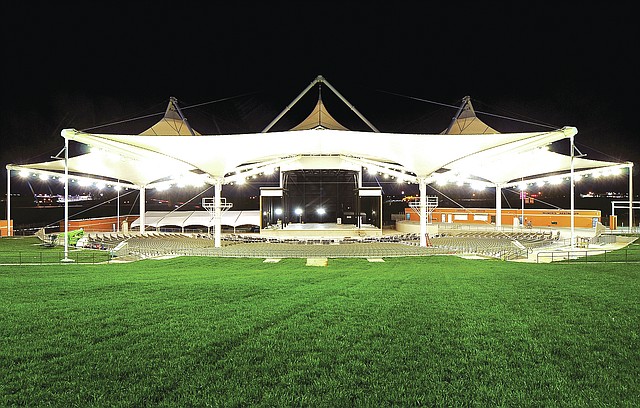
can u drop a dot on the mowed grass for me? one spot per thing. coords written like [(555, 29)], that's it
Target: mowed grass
[(432, 331), (27, 250)]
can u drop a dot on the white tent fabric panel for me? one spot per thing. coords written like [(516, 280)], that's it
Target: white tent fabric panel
[(158, 219), (103, 164), (421, 153), (319, 117), (250, 217), (143, 160), (511, 167)]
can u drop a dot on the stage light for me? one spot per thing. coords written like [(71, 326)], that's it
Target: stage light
[(84, 183), (298, 211), (522, 186), (43, 177), (278, 211), (321, 211), (23, 173), (100, 185)]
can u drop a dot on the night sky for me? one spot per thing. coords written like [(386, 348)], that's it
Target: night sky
[(234, 68)]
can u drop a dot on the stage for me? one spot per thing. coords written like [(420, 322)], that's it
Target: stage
[(325, 229)]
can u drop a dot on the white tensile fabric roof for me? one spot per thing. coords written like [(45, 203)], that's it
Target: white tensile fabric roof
[(521, 165), (139, 171), (319, 118), (171, 124), (466, 122), (420, 154), (158, 219), (143, 160), (168, 150)]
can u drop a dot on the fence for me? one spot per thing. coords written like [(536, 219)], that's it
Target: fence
[(626, 255), (53, 257)]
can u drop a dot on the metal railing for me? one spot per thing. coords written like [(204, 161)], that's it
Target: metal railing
[(625, 255), (53, 257)]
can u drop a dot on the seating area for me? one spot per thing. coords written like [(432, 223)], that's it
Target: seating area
[(148, 244), (502, 245), (489, 243)]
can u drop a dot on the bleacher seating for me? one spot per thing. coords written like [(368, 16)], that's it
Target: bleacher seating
[(496, 244)]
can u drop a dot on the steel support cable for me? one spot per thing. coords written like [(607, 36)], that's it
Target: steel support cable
[(477, 111), (161, 113)]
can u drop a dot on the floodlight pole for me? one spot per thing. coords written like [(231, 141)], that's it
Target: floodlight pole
[(66, 201), (573, 191), (9, 202), (630, 196)]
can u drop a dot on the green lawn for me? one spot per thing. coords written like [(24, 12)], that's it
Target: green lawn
[(26, 250), (432, 331)]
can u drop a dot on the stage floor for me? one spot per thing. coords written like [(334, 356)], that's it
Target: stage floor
[(324, 229)]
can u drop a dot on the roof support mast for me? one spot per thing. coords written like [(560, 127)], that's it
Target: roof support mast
[(319, 79), (174, 101), (289, 106), (465, 100), (353, 108)]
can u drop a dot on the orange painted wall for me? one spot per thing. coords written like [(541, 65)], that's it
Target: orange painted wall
[(538, 218), (3, 228), (105, 224)]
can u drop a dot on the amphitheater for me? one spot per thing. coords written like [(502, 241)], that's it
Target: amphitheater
[(522, 245), (328, 183)]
